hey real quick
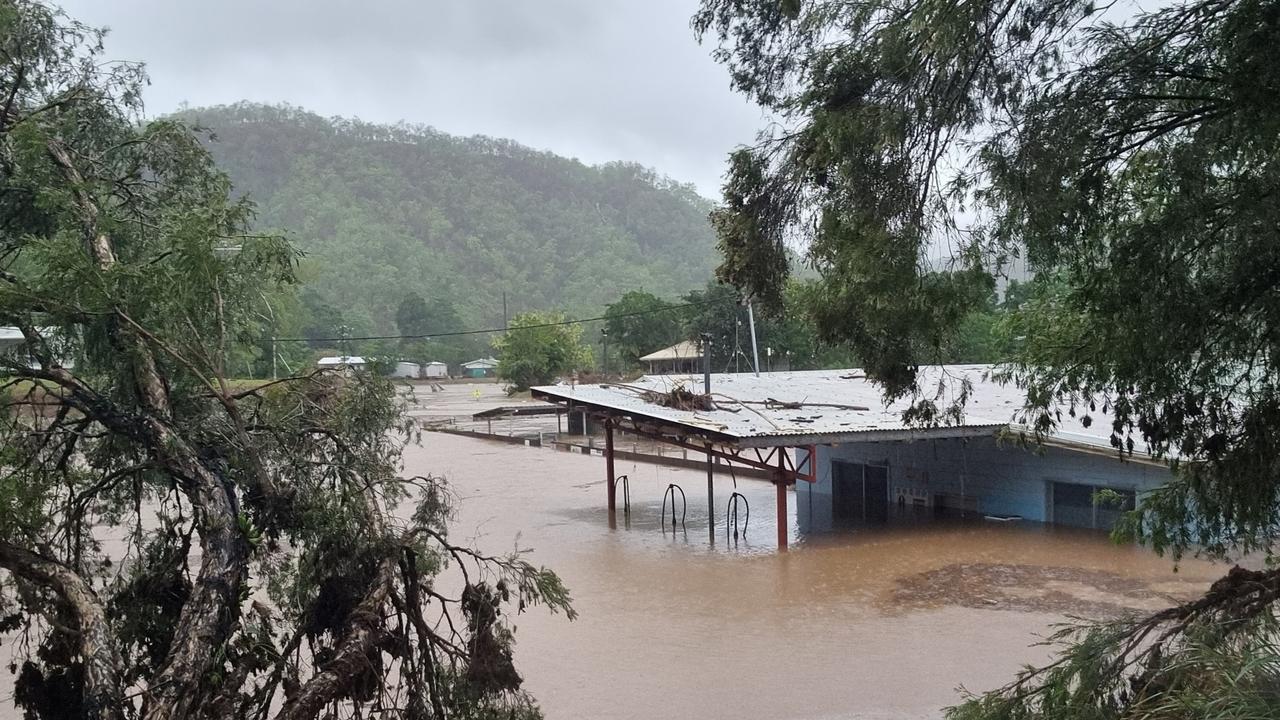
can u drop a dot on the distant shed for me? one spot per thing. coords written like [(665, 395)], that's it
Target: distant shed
[(406, 369), (482, 368), (342, 361), (681, 358)]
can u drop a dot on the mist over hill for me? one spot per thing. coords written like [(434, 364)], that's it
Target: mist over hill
[(386, 211)]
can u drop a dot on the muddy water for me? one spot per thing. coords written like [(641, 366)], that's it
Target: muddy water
[(884, 623)]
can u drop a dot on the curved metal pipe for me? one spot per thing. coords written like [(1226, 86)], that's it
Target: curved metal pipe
[(684, 506), (731, 514), (626, 494)]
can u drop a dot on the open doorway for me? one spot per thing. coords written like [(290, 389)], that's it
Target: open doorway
[(859, 492), (1089, 506)]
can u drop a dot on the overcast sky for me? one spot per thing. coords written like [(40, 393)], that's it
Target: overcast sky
[(592, 79)]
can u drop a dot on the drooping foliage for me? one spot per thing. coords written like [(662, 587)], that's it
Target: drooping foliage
[(175, 544), (1129, 157)]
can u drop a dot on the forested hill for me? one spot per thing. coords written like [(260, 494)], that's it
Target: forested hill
[(384, 211)]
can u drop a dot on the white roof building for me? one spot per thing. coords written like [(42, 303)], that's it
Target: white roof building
[(679, 358), (822, 406), (686, 350), (335, 361), (861, 460)]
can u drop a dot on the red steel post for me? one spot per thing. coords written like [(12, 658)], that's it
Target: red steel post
[(608, 464), (780, 482)]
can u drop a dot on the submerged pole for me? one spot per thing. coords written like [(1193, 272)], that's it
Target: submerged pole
[(711, 496), (780, 483), (608, 464)]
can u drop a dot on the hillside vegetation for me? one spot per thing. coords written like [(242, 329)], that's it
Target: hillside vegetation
[(385, 212)]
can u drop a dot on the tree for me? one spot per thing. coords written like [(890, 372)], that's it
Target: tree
[(417, 317), (715, 312), (792, 336), (323, 321), (412, 315), (383, 211), (639, 323), (274, 563), (1132, 162), (539, 347)]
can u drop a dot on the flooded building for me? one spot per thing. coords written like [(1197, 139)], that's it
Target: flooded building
[(480, 368), (855, 460)]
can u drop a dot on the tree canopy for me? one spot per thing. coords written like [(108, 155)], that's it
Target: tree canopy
[(538, 348), (639, 323), (176, 545), (383, 211), (1131, 160)]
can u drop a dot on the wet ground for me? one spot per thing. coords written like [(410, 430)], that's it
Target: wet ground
[(871, 623)]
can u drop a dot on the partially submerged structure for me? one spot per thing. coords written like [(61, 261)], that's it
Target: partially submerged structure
[(406, 369), (481, 368), (857, 460), (683, 357)]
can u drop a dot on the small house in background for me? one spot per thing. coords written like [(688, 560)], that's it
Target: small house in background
[(406, 369), (683, 357), (482, 368), (341, 361), (413, 370), (14, 344), (11, 339)]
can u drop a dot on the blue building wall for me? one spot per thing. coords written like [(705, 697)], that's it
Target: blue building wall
[(1002, 478)]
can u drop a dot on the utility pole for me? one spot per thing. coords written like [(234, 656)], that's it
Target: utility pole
[(755, 351), (711, 471), (604, 363), (504, 311), (737, 341), (273, 356), (706, 365)]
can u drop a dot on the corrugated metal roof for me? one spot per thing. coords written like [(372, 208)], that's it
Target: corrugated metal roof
[(686, 350), (833, 406), (340, 360)]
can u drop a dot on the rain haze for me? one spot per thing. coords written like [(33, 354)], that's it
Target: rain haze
[(404, 359), (585, 79)]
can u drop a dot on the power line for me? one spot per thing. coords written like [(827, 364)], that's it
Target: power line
[(431, 336)]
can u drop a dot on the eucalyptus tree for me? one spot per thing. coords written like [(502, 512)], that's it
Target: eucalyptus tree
[(1130, 157), (175, 544)]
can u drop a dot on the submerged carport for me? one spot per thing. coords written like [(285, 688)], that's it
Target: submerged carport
[(773, 422), (797, 425)]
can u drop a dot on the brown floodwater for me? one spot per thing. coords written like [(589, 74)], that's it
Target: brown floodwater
[(868, 623)]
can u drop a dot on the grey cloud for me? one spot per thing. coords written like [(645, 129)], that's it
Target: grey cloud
[(590, 79)]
